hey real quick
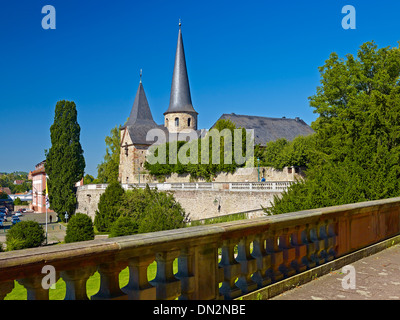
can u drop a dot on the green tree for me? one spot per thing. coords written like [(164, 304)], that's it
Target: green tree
[(124, 226), (146, 210), (108, 207), (25, 234), (200, 147), (107, 171), (79, 228), (88, 179), (356, 152), (65, 163), (163, 213)]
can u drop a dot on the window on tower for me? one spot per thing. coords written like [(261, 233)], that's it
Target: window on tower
[(189, 122), (176, 122)]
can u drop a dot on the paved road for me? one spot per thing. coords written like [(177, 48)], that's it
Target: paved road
[(377, 277)]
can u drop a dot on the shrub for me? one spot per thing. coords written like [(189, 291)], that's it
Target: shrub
[(123, 226), (80, 228), (25, 234), (108, 206), (162, 213)]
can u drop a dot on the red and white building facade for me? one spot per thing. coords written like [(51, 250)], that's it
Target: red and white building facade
[(38, 177)]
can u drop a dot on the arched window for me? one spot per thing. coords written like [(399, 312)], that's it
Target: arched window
[(189, 122), (166, 122), (176, 122)]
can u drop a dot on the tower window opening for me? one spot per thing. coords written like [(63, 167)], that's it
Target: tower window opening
[(189, 122), (176, 122)]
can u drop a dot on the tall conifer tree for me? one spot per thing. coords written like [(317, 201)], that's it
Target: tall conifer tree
[(65, 163)]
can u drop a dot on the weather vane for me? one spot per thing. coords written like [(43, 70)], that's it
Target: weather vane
[(140, 75), (180, 23)]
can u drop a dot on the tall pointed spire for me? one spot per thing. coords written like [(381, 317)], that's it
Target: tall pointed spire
[(180, 99), (140, 113)]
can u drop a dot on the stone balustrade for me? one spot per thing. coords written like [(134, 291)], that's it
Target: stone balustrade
[(270, 186), (221, 261)]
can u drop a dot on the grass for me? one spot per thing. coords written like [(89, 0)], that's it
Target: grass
[(92, 285)]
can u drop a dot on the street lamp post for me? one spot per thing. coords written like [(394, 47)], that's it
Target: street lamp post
[(258, 162)]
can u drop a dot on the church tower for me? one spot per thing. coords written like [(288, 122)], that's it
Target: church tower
[(180, 115)]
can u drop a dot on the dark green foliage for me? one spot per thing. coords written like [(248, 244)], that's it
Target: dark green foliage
[(108, 206), (19, 202), (4, 195), (79, 228), (356, 150), (146, 210), (88, 179), (124, 226), (107, 171), (162, 213), (7, 180), (282, 153), (65, 163), (25, 234), (222, 160)]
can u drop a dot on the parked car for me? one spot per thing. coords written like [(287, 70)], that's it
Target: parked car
[(18, 214), (15, 220)]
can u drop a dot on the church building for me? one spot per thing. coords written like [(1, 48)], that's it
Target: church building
[(181, 117)]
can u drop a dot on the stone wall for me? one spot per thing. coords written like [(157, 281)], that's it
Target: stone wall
[(200, 204), (88, 201)]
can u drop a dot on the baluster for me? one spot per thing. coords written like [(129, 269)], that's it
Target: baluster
[(263, 262), (248, 266), (308, 240), (276, 254), (109, 282), (322, 242), (289, 254), (327, 240), (5, 288), (300, 262), (75, 281), (331, 241), (34, 288), (138, 287), (167, 286), (231, 270), (185, 273)]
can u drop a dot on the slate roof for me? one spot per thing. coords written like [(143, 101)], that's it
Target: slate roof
[(140, 112), (270, 129), (180, 98), (140, 120)]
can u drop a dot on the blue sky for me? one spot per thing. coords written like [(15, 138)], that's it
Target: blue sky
[(247, 57)]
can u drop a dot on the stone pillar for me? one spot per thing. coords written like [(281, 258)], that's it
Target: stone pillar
[(109, 282), (138, 287)]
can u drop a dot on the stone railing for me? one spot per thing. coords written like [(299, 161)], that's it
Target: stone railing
[(269, 249), (270, 186)]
